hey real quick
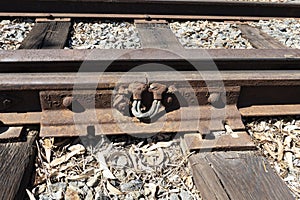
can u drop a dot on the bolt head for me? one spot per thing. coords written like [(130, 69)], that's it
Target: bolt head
[(67, 101), (169, 100), (6, 102), (214, 97)]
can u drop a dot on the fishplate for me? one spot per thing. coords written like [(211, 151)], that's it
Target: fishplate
[(139, 108)]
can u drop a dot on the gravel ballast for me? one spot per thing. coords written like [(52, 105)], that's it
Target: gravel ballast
[(13, 32), (104, 35), (286, 31), (118, 167), (209, 35)]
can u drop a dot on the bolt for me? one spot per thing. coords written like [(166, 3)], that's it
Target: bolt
[(137, 89), (172, 89), (67, 101), (6, 102), (157, 89), (169, 100), (122, 106), (213, 97), (187, 94)]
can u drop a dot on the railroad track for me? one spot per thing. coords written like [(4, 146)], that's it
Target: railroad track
[(160, 87)]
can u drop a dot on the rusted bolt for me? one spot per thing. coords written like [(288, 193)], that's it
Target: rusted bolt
[(67, 101), (169, 100), (213, 98), (137, 89), (187, 94), (117, 100), (172, 89), (157, 89), (6, 102), (122, 89), (123, 106), (120, 102)]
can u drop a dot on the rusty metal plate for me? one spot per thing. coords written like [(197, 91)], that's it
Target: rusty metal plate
[(270, 110), (7, 132), (71, 113), (110, 121), (220, 142), (188, 94), (20, 118), (124, 60)]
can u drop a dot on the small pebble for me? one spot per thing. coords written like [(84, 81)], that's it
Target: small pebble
[(57, 195), (185, 195), (59, 185), (92, 181), (89, 195), (174, 196), (133, 185)]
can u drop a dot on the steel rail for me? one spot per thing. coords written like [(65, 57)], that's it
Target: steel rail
[(37, 99), (59, 81), (56, 16), (153, 7), (114, 60)]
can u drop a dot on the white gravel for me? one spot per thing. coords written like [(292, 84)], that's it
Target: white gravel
[(286, 31), (209, 35), (104, 35), (13, 32)]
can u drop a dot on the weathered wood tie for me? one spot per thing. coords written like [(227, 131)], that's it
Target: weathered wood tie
[(16, 167), (157, 34), (259, 39), (51, 34), (236, 176)]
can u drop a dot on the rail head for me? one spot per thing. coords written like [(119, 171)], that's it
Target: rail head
[(164, 7), (117, 60), (109, 80)]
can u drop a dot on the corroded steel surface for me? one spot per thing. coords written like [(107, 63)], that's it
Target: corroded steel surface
[(10, 132), (209, 142), (94, 108), (67, 81), (72, 103), (166, 7), (111, 121), (137, 16), (118, 60)]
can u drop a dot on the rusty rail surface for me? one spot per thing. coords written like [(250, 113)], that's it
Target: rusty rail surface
[(61, 60), (152, 7)]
